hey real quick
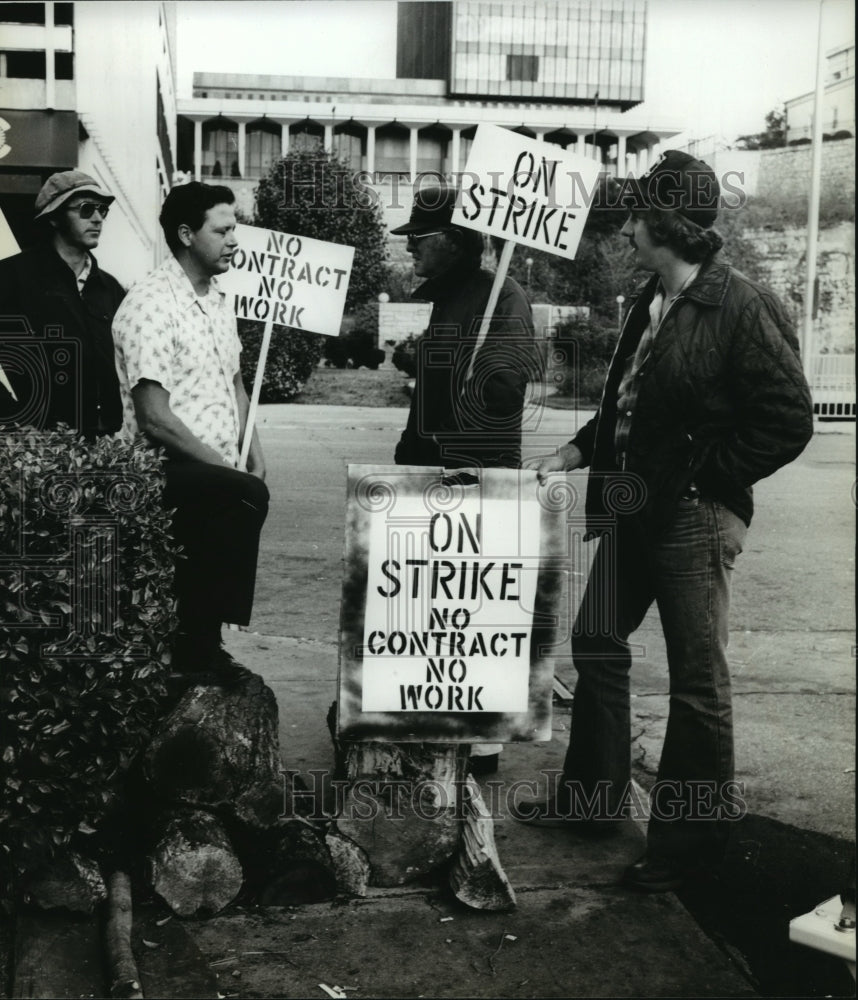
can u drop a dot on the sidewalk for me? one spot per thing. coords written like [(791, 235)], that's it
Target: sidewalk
[(574, 932)]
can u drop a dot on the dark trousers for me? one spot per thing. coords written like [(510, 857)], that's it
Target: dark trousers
[(219, 513), (687, 572)]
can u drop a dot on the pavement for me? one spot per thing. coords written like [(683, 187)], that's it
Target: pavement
[(575, 931)]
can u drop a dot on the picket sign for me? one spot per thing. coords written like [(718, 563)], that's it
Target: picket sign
[(524, 191), (289, 280), (8, 248)]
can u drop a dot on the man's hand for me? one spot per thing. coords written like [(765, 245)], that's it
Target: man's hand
[(565, 459)]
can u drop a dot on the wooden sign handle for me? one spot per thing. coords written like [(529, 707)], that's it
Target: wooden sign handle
[(500, 277), (254, 397)]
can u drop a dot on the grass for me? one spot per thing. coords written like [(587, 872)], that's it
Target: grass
[(355, 387)]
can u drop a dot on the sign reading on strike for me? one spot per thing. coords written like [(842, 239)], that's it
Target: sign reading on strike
[(527, 191), (447, 607), (288, 280)]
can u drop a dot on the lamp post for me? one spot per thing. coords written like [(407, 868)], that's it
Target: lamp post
[(528, 263), (620, 300)]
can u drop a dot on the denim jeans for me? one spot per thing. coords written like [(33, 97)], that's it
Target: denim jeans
[(687, 572)]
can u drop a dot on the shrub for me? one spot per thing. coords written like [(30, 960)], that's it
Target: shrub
[(292, 357), (582, 350), (86, 591)]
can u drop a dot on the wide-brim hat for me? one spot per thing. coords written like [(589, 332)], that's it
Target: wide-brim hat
[(58, 188), (676, 182), (432, 209)]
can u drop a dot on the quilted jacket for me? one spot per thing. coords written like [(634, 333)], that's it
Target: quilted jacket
[(456, 422), (722, 403)]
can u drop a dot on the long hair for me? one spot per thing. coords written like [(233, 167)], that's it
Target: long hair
[(688, 240)]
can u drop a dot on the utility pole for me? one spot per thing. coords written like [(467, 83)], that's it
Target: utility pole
[(813, 203)]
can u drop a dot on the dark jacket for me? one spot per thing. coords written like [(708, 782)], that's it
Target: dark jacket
[(722, 403), (55, 344), (456, 422)]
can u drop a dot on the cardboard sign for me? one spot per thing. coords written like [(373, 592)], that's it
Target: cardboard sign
[(449, 606), (526, 191), (288, 280)]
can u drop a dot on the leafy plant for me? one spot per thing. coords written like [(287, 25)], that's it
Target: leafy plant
[(312, 193), (86, 574)]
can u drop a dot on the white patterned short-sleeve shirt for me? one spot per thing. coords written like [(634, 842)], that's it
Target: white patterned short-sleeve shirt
[(166, 333)]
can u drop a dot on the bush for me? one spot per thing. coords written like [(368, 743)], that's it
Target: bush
[(292, 357), (86, 590), (582, 350)]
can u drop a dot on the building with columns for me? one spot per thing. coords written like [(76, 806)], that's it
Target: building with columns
[(570, 74)]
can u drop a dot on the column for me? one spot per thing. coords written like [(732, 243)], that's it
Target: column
[(242, 149), (581, 144), (198, 149), (412, 151), (455, 151), (50, 79), (329, 138), (284, 138), (621, 156), (640, 162), (370, 148)]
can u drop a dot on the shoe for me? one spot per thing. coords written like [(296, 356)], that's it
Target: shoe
[(487, 764), (549, 813), (653, 875)]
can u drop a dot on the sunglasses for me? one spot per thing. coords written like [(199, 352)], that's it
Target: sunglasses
[(422, 236), (86, 209)]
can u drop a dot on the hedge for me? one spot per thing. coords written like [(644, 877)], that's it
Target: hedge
[(86, 574)]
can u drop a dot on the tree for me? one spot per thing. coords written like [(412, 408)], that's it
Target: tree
[(774, 136), (312, 193)]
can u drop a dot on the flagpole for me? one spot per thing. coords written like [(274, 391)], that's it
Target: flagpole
[(813, 202)]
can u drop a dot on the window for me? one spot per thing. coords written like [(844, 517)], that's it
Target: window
[(220, 149), (263, 147), (26, 65), (64, 65), (522, 67)]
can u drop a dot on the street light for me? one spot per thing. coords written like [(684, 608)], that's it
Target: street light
[(620, 300), (528, 264)]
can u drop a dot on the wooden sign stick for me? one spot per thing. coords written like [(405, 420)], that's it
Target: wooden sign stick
[(254, 398), (500, 277)]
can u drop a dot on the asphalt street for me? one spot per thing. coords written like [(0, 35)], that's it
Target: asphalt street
[(792, 624)]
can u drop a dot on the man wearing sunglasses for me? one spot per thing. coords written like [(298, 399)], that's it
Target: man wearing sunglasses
[(68, 302)]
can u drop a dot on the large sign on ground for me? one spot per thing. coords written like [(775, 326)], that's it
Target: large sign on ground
[(448, 606)]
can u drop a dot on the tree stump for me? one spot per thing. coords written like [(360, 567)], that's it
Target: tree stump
[(219, 748), (192, 866), (476, 876), (288, 865), (400, 808)]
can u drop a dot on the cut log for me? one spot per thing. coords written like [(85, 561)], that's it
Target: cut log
[(477, 877), (400, 807), (193, 867), (124, 977), (350, 864), (288, 865), (219, 749), (69, 881)]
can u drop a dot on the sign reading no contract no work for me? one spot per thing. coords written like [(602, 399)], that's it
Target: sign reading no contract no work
[(288, 280)]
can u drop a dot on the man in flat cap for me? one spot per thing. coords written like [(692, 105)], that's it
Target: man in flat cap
[(467, 405), (68, 303), (705, 396)]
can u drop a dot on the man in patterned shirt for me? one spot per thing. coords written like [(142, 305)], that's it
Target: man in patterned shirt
[(177, 355)]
